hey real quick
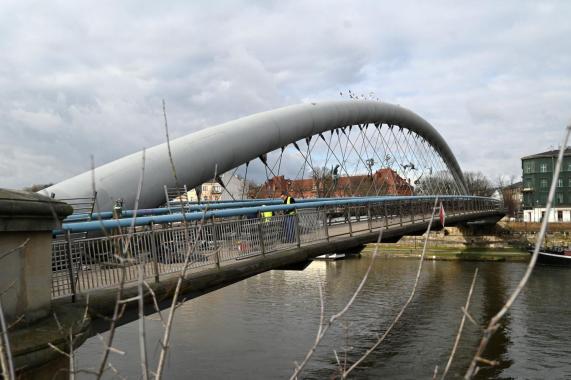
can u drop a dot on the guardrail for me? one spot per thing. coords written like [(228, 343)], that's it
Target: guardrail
[(214, 238)]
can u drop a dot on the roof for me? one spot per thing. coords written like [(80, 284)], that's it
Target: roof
[(549, 153), (514, 185)]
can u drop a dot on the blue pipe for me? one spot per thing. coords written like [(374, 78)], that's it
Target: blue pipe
[(193, 207), (229, 212)]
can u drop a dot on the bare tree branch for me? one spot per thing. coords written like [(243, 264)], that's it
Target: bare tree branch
[(119, 307), (494, 323), (155, 302), (14, 249), (166, 337), (459, 334), (190, 248), (323, 328), (401, 312), (5, 349)]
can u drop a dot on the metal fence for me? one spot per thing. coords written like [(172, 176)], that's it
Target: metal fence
[(80, 263)]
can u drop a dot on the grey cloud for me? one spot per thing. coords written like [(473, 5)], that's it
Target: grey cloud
[(80, 79)]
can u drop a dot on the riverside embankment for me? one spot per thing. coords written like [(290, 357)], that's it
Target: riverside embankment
[(502, 242)]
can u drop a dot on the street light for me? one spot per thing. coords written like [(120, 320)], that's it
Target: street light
[(370, 162)]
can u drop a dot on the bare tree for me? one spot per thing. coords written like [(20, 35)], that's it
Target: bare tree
[(510, 192), (478, 184), (323, 180)]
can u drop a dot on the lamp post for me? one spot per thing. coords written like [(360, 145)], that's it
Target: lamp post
[(370, 162)]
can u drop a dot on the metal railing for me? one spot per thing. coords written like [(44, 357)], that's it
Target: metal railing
[(80, 263)]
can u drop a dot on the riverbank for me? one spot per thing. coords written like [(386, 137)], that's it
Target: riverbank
[(493, 243), (448, 253)]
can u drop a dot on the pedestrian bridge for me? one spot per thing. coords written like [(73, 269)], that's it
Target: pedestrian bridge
[(355, 168), (358, 170), (219, 247)]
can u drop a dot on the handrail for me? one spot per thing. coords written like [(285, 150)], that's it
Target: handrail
[(193, 207), (143, 219)]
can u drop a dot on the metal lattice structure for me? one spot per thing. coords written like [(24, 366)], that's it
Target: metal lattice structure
[(329, 149)]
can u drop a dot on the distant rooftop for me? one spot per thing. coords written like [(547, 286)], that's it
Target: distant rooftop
[(514, 185), (549, 153)]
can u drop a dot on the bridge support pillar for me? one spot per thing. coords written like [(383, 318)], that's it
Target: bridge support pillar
[(26, 224)]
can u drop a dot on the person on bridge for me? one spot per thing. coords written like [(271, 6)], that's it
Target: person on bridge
[(266, 215), (289, 222)]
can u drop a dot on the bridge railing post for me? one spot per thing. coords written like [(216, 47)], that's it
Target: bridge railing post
[(261, 236), (215, 241), (400, 212), (369, 217), (297, 229), (70, 265), (325, 224), (349, 220), (154, 252), (412, 210), (386, 215)]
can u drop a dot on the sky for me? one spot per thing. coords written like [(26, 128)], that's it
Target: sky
[(82, 78)]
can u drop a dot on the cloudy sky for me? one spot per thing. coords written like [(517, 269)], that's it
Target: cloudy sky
[(80, 78)]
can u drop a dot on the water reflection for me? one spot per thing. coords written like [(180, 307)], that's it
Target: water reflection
[(494, 297), (255, 329)]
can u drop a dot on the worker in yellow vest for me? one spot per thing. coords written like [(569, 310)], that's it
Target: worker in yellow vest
[(266, 215), (288, 200)]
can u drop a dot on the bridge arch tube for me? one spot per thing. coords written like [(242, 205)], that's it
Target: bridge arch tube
[(233, 143)]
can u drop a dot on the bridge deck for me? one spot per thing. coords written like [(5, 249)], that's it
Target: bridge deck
[(222, 252)]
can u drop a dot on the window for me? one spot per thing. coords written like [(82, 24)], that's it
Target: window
[(543, 168), (560, 182), (204, 188), (528, 167), (559, 198), (559, 216), (569, 182), (569, 166), (543, 183)]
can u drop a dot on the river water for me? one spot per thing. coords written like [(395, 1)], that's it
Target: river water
[(257, 328)]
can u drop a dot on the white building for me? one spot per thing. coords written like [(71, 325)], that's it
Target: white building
[(235, 188)]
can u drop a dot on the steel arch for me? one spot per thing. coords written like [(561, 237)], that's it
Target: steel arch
[(231, 144)]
